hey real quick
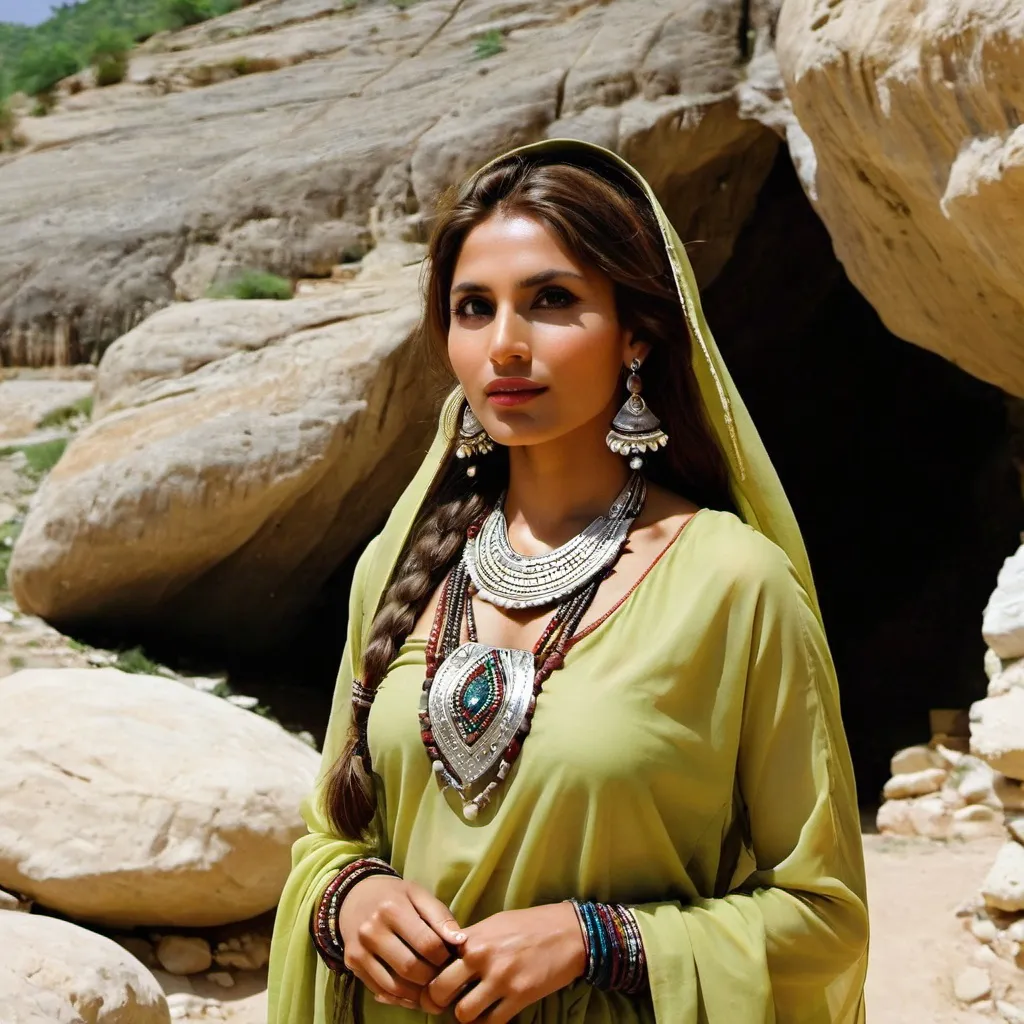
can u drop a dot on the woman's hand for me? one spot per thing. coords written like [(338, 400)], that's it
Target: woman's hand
[(517, 957), (380, 919)]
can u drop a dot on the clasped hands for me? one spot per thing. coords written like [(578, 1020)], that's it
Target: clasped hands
[(399, 941)]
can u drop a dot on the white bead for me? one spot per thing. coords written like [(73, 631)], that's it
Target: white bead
[(636, 462), (471, 471), (470, 811), (438, 767)]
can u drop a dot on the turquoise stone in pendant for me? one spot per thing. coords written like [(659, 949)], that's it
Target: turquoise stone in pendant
[(479, 699)]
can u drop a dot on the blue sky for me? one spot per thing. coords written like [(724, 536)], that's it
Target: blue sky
[(25, 12)]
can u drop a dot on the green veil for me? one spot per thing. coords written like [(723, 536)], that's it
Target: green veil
[(299, 984)]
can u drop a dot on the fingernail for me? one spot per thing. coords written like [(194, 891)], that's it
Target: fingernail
[(459, 936)]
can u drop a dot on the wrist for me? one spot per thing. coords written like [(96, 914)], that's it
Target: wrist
[(576, 930), (325, 927)]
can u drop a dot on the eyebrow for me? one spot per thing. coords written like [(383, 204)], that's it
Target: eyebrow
[(527, 282)]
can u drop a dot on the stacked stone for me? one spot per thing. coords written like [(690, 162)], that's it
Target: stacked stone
[(996, 917), (940, 790)]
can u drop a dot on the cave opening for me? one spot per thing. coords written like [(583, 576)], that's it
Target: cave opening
[(897, 465)]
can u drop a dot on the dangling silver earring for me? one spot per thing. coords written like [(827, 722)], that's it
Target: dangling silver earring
[(473, 439), (635, 428)]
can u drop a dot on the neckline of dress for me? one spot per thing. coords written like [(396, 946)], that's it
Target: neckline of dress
[(419, 641)]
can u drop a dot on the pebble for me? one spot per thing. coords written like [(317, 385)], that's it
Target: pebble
[(6, 616), (248, 953), (972, 984), (179, 954), (984, 930), (222, 978)]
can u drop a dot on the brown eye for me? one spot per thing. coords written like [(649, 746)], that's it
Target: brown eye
[(465, 311), (558, 298)]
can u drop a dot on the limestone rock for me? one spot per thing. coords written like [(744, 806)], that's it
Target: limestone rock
[(972, 984), (931, 817), (53, 972), (243, 450), (894, 818), (1003, 622), (181, 954), (915, 759), (1003, 887), (369, 147), (144, 801), (923, 208), (997, 732), (1008, 792), (918, 783)]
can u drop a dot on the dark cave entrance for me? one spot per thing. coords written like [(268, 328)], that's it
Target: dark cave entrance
[(897, 465)]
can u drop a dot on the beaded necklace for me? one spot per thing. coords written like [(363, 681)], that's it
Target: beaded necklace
[(478, 701)]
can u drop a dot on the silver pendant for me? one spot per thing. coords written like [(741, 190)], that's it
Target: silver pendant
[(478, 698), (505, 578)]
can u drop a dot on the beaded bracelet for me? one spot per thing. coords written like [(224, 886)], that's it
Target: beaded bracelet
[(615, 950), (323, 925)]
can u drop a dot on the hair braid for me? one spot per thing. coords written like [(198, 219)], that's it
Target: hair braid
[(435, 543)]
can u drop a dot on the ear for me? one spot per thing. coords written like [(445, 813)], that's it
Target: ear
[(633, 347)]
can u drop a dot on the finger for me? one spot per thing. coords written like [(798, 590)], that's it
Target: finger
[(417, 933), (402, 961), (502, 1013), (449, 982), (474, 1003), (437, 915), (381, 981), (387, 1000)]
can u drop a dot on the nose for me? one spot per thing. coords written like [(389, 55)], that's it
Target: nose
[(509, 340)]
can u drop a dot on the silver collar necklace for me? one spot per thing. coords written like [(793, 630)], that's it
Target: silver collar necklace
[(505, 578)]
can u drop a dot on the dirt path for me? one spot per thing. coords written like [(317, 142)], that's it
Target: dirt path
[(918, 945)]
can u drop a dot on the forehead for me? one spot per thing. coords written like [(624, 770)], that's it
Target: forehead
[(506, 246)]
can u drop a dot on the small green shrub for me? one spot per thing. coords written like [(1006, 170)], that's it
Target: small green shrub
[(489, 44), (135, 660), (42, 67), (109, 55), (181, 13), (253, 284), (403, 5), (41, 458), (17, 661), (67, 413)]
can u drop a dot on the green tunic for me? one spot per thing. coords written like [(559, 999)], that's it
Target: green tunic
[(687, 760), (678, 763)]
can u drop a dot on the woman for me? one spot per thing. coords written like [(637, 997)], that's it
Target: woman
[(585, 666)]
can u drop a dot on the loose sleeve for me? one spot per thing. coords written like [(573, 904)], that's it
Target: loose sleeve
[(786, 941), (299, 982)]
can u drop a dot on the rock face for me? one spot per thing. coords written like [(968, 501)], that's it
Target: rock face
[(52, 972), (354, 120), (1003, 624), (242, 450), (910, 128), (134, 800)]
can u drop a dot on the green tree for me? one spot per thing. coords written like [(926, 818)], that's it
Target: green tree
[(42, 67)]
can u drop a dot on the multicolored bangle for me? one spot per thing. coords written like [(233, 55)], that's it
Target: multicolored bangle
[(323, 925), (615, 950)]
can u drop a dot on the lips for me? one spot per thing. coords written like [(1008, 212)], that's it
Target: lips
[(511, 391), (509, 385)]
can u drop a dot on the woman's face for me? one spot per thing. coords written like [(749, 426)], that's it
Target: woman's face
[(534, 338)]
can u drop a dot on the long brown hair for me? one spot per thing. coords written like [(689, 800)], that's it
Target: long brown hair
[(601, 215)]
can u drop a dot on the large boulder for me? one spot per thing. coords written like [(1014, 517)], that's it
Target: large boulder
[(53, 972), (913, 154), (240, 450), (135, 800), (285, 135)]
